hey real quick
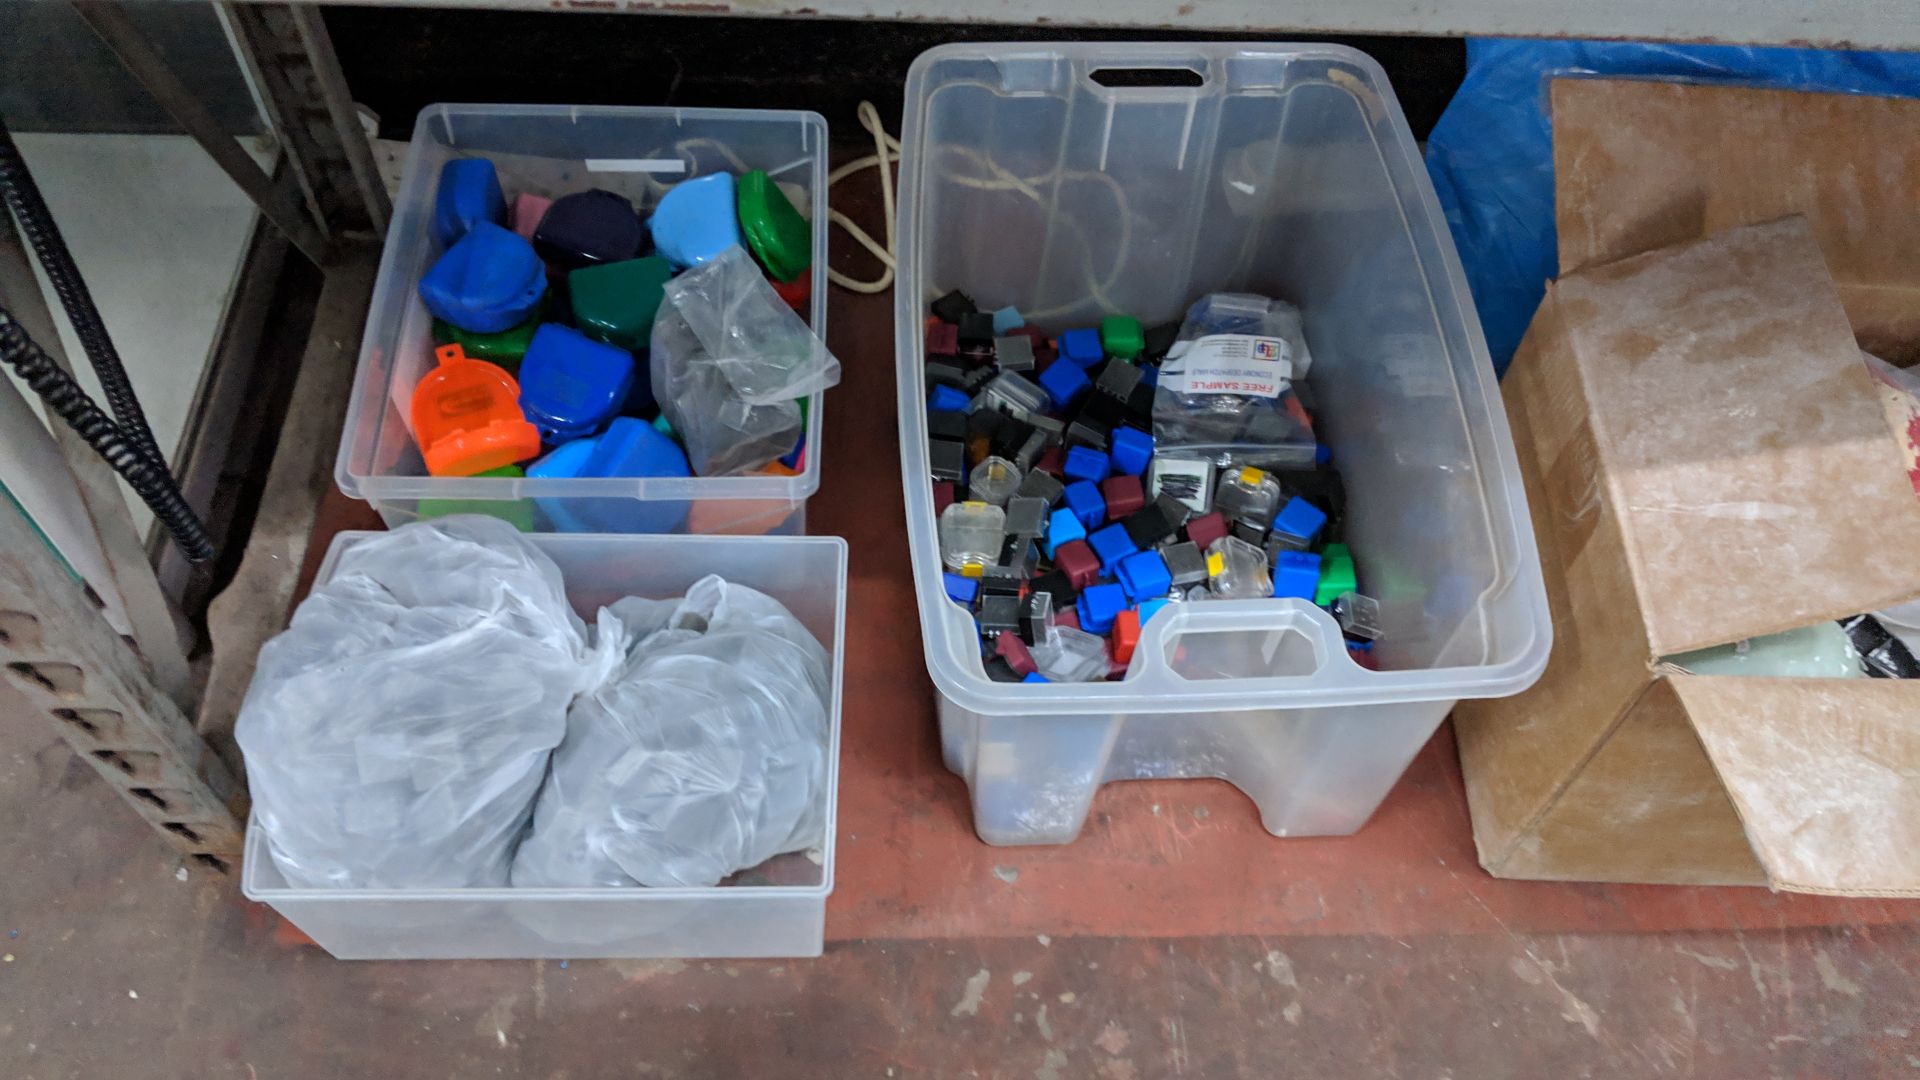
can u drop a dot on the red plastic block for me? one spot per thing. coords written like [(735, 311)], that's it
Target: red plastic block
[(1363, 657), (1123, 494), (1078, 562), (1010, 648), (943, 339), (1205, 529), (1126, 635), (1053, 461), (1067, 616), (942, 496)]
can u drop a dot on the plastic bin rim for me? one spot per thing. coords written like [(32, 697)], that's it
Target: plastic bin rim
[(974, 691)]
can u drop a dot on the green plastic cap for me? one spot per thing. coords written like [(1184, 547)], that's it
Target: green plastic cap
[(776, 233)]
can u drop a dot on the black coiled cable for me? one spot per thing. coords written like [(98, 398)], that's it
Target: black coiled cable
[(127, 445)]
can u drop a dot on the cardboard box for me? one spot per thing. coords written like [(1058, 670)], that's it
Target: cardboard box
[(1640, 165), (1706, 460)]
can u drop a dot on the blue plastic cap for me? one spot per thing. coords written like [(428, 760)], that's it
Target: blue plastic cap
[(1034, 676), (1145, 576), (947, 399), (1296, 573), (1082, 347), (1112, 544), (1062, 527), (1099, 606), (1300, 518), (696, 220), (796, 455), (1064, 384), (633, 448), (1131, 450), (1007, 320), (564, 461), (1086, 463), (488, 281), (961, 590), (571, 384), (1087, 504), (469, 193)]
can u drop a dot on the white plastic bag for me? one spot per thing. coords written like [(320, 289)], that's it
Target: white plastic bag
[(703, 754), (725, 435), (766, 351), (396, 733)]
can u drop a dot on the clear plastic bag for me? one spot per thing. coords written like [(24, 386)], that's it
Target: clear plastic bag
[(765, 350), (703, 753), (724, 434), (1225, 391), (396, 733)]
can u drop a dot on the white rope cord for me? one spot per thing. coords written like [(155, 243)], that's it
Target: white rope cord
[(886, 151)]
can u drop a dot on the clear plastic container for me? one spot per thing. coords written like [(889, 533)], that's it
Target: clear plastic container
[(784, 917), (1289, 171), (551, 150)]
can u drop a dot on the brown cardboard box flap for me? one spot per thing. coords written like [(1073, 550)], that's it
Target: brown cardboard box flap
[(1825, 774), (1746, 455), (1641, 164)]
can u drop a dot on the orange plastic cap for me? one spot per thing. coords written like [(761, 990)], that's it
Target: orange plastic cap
[(466, 415)]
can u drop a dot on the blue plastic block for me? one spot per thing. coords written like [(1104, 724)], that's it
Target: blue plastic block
[(634, 448), (947, 399), (696, 220), (1086, 463), (1144, 576), (1007, 320), (1082, 347), (1150, 608), (1063, 527), (961, 590), (1296, 573), (1300, 518), (1064, 384), (1112, 544), (1150, 375), (1034, 676), (1322, 455), (1084, 499), (469, 193), (1099, 605), (571, 384), (1132, 450), (487, 282)]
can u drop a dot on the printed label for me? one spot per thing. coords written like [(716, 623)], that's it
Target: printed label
[(1245, 364)]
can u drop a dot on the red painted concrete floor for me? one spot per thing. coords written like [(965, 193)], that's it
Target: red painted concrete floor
[(1174, 939)]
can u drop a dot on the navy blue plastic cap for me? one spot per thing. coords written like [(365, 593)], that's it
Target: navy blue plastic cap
[(589, 227), (487, 282), (469, 194)]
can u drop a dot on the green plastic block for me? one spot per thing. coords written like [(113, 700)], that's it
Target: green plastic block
[(515, 512), (505, 348), (1336, 574), (616, 302), (1122, 338), (776, 233)]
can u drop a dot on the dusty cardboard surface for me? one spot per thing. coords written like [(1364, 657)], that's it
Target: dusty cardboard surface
[(1641, 165), (1744, 449), (1822, 771)]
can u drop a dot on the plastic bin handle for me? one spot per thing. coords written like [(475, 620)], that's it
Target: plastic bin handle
[(1275, 643)]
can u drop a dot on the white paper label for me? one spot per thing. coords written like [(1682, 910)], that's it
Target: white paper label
[(1246, 364)]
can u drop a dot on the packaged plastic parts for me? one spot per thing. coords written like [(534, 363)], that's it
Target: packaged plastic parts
[(765, 350), (702, 753), (396, 733), (1225, 388), (724, 433)]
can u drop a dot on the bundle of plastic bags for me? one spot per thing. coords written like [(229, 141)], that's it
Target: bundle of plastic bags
[(703, 752), (730, 362), (397, 732)]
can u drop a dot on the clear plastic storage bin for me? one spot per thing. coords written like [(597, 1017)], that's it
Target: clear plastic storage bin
[(784, 917), (552, 150), (1289, 171)]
